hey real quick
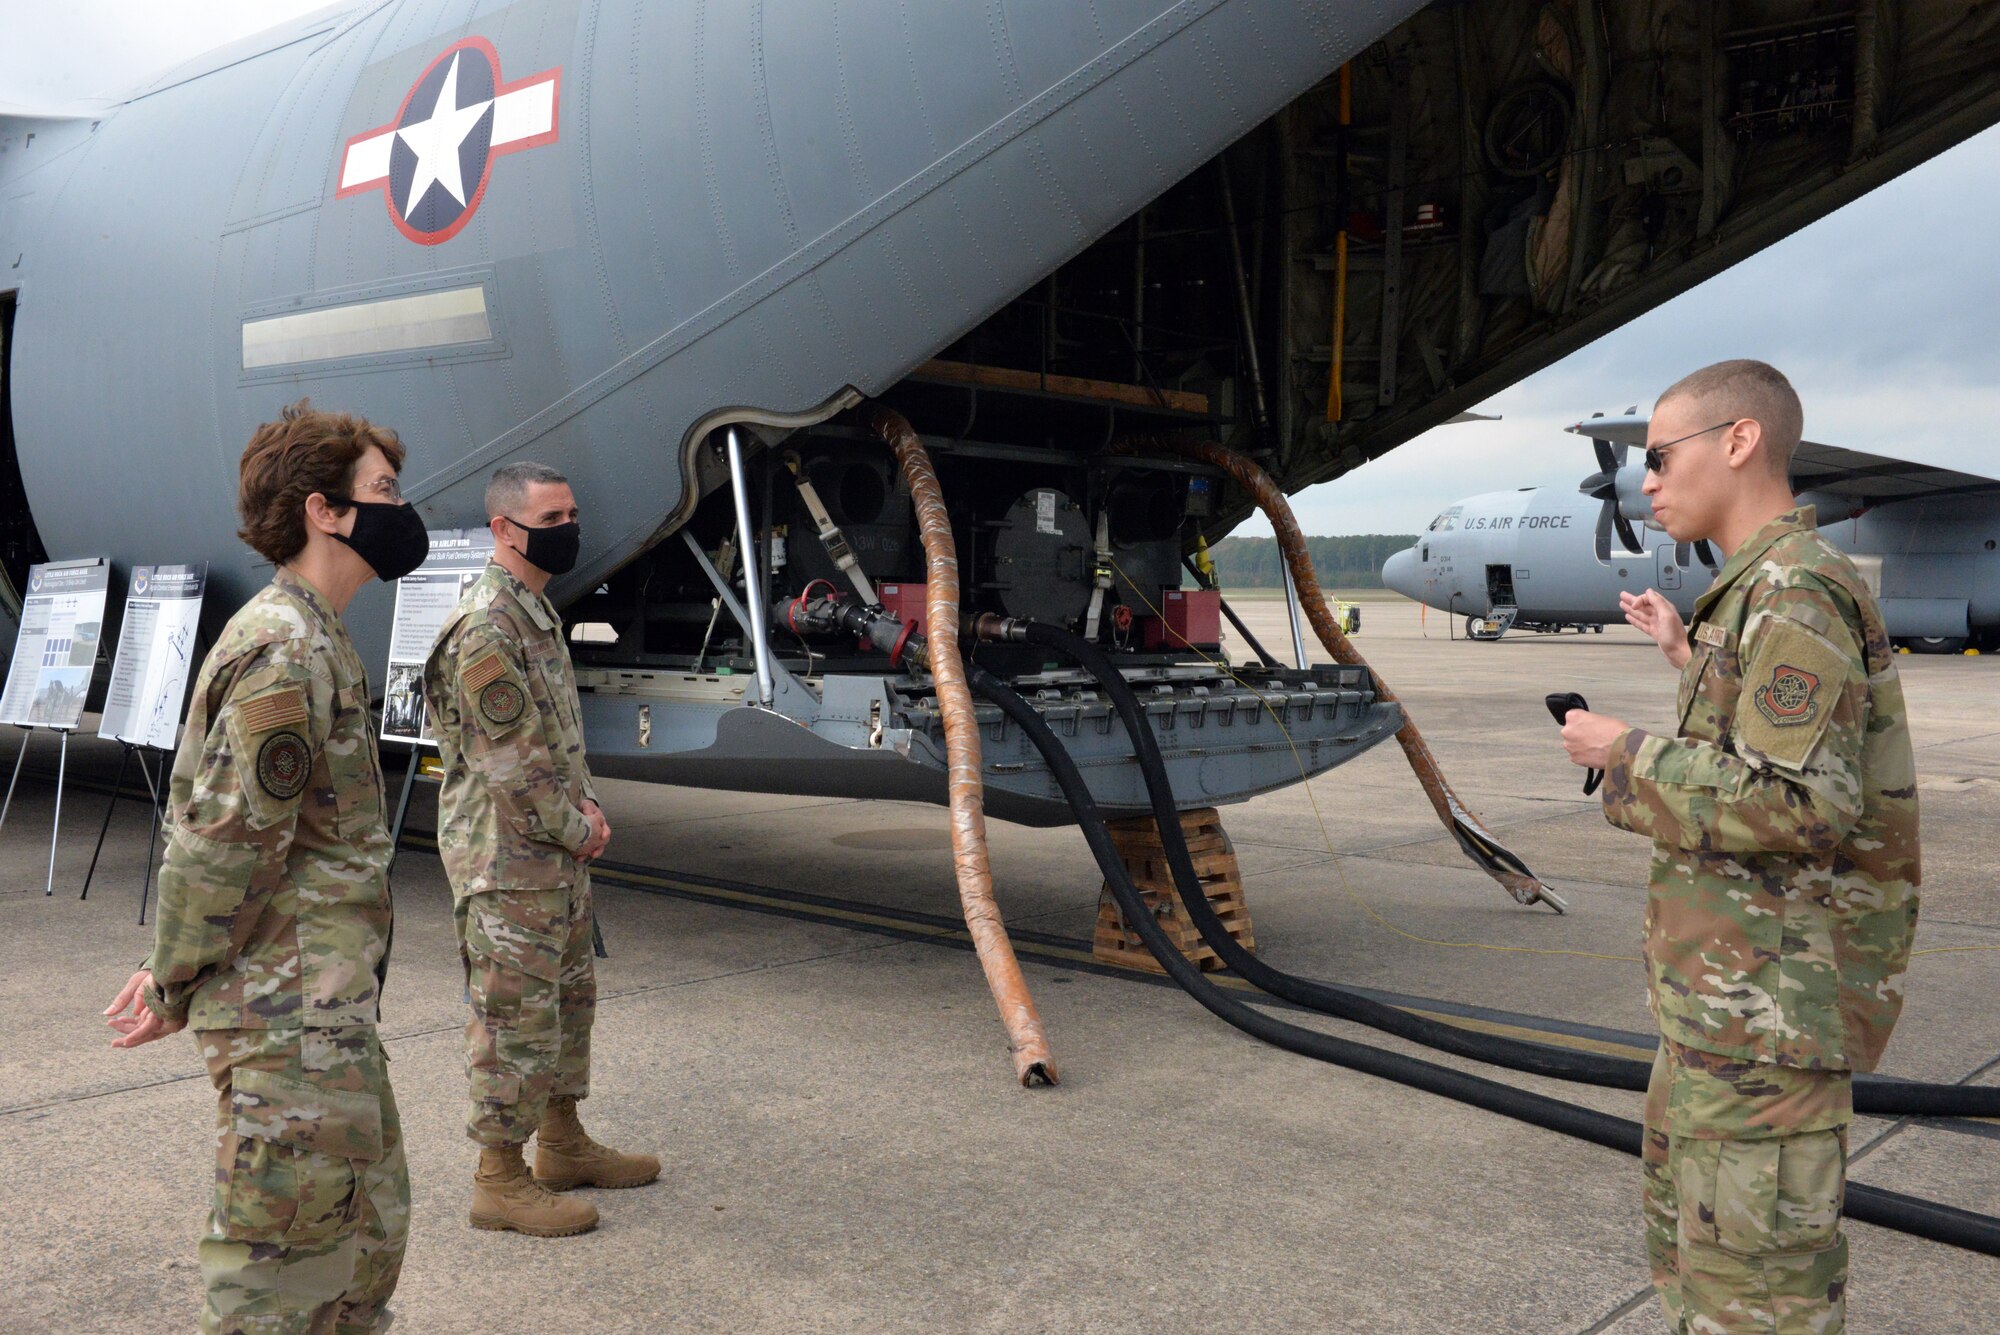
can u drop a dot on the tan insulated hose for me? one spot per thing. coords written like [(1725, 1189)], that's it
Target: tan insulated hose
[(1032, 1062), (1477, 841)]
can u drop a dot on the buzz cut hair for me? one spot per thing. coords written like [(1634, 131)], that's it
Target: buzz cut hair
[(1748, 389), (509, 485)]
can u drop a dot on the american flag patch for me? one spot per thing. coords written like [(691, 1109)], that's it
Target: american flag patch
[(275, 710), (487, 669)]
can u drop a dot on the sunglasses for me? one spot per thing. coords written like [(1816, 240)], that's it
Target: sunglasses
[(1656, 455)]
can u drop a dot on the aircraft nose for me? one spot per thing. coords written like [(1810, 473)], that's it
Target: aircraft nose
[(1399, 572)]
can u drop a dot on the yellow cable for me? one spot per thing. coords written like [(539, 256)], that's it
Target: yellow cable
[(1326, 836)]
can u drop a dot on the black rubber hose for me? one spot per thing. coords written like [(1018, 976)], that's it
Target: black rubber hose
[(1871, 1205), (1879, 1097)]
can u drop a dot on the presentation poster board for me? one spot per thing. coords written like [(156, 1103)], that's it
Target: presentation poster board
[(149, 673), (62, 618), (424, 601)]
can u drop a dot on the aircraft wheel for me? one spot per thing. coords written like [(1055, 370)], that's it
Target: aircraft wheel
[(1938, 644), (1479, 628)]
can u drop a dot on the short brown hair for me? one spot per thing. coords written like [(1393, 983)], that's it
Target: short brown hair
[(303, 452), (1752, 389)]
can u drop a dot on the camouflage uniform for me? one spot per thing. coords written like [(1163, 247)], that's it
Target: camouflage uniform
[(1779, 916), (503, 706), (273, 929)]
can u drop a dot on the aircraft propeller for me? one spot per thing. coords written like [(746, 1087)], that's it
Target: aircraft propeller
[(1603, 486)]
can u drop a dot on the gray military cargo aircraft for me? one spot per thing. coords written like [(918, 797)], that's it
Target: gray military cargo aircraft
[(662, 246), (1542, 559)]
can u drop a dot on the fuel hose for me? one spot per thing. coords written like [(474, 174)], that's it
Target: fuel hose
[(1872, 1205), (1873, 1095), (1026, 1038)]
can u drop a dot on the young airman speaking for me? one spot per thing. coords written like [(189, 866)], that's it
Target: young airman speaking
[(1783, 894)]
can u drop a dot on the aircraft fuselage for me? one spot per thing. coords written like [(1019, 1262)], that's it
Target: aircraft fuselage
[(1932, 562)]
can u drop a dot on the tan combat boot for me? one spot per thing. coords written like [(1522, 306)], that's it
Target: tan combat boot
[(566, 1157), (504, 1195)]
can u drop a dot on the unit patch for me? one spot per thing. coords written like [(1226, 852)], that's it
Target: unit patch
[(1787, 699), (284, 762), (502, 702)]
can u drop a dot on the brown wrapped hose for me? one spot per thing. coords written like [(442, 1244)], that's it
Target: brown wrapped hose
[(1029, 1043), (1477, 841)]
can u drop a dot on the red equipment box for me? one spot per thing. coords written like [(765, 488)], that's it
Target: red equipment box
[(1192, 616), (905, 602)]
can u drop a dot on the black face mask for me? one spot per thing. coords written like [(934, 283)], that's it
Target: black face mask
[(390, 538), (553, 549)]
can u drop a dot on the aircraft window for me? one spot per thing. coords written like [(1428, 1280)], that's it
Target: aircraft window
[(1424, 553), (362, 328)]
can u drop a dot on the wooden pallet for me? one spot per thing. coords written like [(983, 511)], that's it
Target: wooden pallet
[(1138, 844)]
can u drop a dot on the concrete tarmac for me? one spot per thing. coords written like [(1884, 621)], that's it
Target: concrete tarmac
[(817, 1060)]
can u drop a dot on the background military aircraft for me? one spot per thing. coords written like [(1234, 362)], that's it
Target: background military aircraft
[(1550, 559), (604, 233)]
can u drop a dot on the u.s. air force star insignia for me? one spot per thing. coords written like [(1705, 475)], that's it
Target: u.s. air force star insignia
[(283, 764), (502, 702), (1787, 699), (434, 159)]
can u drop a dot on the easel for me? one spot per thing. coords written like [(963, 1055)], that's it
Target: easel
[(403, 803), (402, 813), (62, 770), (157, 787)]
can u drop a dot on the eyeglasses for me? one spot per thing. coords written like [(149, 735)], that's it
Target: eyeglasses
[(383, 489), (1656, 455)]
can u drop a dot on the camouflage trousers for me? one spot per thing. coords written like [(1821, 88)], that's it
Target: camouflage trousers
[(530, 977), (312, 1198), (1745, 1171)]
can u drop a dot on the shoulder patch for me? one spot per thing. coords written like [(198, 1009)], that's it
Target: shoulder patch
[(489, 668), (502, 702), (1795, 680), (1787, 699), (284, 762), (266, 713)]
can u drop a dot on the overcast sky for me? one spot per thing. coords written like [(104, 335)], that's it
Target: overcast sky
[(1883, 314)]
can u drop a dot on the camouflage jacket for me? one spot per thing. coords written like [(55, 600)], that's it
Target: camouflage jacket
[(274, 896), (1782, 899), (502, 700)]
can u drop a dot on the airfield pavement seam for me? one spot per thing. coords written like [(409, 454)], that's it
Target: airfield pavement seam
[(1619, 1313), (1957, 741)]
